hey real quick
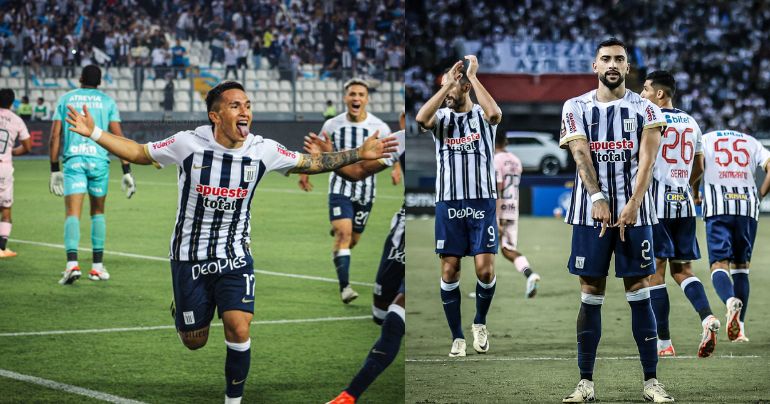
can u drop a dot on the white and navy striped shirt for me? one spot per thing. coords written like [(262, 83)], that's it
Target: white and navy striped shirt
[(613, 131), (348, 135), (465, 150), (216, 186), (671, 176), (729, 159)]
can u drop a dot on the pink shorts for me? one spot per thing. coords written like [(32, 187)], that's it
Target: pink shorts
[(6, 185), (509, 233)]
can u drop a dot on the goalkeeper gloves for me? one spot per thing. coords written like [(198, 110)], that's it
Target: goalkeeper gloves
[(128, 186), (56, 184)]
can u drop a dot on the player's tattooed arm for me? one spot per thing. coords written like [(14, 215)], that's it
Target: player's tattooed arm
[(321, 163), (585, 167)]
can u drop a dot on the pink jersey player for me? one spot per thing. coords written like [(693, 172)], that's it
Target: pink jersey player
[(11, 128)]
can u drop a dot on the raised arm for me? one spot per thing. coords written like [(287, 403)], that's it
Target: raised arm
[(426, 116), (648, 150), (126, 149), (372, 149), (491, 109)]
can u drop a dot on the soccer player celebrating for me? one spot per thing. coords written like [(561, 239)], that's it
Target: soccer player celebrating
[(731, 211), (508, 174), (613, 135), (674, 236), (350, 202), (389, 291), (464, 134), (86, 169), (220, 165), (12, 127)]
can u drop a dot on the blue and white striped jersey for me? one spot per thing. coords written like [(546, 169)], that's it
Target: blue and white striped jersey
[(465, 150), (347, 135), (729, 187), (671, 176), (613, 131), (216, 186)]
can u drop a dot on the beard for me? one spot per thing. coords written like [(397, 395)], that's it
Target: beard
[(454, 103), (609, 84)]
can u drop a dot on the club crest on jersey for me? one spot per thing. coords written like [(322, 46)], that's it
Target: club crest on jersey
[(629, 125), (249, 173), (474, 123), (675, 197)]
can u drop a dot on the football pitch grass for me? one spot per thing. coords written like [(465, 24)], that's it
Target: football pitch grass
[(306, 345), (532, 355)]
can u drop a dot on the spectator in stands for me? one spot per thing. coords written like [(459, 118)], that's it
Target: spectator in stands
[(330, 112), (231, 60), (24, 111), (41, 111), (178, 59), (256, 51), (242, 46), (168, 93), (160, 57)]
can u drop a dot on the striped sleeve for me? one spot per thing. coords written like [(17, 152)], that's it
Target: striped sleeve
[(571, 124)]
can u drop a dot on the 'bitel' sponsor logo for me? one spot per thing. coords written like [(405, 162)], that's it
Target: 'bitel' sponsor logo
[(163, 143), (206, 190)]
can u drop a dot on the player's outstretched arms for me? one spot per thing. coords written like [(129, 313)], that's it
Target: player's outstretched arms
[(124, 148), (648, 149), (600, 209), (426, 116), (372, 149), (491, 110), (316, 145)]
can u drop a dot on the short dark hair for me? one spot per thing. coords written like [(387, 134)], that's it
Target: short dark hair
[(663, 79), (611, 42), (6, 98), (91, 76), (356, 81), (215, 94)]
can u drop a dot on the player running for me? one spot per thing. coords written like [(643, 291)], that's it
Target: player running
[(674, 236), (220, 165), (12, 127), (464, 134), (86, 169), (508, 175), (613, 135), (731, 211), (389, 292), (350, 202)]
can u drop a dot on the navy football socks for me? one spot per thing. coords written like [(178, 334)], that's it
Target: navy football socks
[(741, 288), (484, 294), (237, 367), (661, 308), (589, 332), (342, 264), (696, 294), (450, 297), (644, 330), (722, 284)]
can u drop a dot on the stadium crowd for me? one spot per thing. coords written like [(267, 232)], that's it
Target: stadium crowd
[(718, 51), (364, 37)]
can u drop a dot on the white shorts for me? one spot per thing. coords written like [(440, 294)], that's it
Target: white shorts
[(6, 185), (509, 233)]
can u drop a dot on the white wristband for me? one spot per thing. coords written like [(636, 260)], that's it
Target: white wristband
[(597, 196), (96, 134)]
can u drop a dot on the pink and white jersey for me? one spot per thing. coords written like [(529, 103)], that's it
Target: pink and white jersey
[(613, 131), (730, 159), (508, 173), (216, 186), (11, 128), (671, 174)]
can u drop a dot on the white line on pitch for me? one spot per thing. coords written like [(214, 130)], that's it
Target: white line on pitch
[(532, 359), (67, 387), (171, 327), (163, 259), (259, 189)]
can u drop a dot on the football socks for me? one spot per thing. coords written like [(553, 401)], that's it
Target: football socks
[(71, 237), (237, 365), (644, 330), (382, 353), (741, 288), (722, 284), (342, 264), (98, 231), (661, 308), (450, 297), (696, 294), (589, 332), (484, 294), (5, 232)]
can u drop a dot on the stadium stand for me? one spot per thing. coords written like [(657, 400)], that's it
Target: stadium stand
[(294, 55)]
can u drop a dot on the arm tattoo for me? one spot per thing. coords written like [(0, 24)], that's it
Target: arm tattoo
[(585, 167), (321, 163)]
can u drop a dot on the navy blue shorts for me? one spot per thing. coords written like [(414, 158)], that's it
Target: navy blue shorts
[(676, 239), (342, 207), (591, 255), (730, 238), (199, 286), (390, 274), (466, 227)]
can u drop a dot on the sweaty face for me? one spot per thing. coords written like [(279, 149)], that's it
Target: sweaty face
[(356, 98), (611, 66), (233, 115)]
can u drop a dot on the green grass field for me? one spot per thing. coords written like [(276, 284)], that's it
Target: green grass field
[(532, 342), (306, 345)]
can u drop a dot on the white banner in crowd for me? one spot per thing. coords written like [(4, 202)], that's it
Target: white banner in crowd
[(533, 57)]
